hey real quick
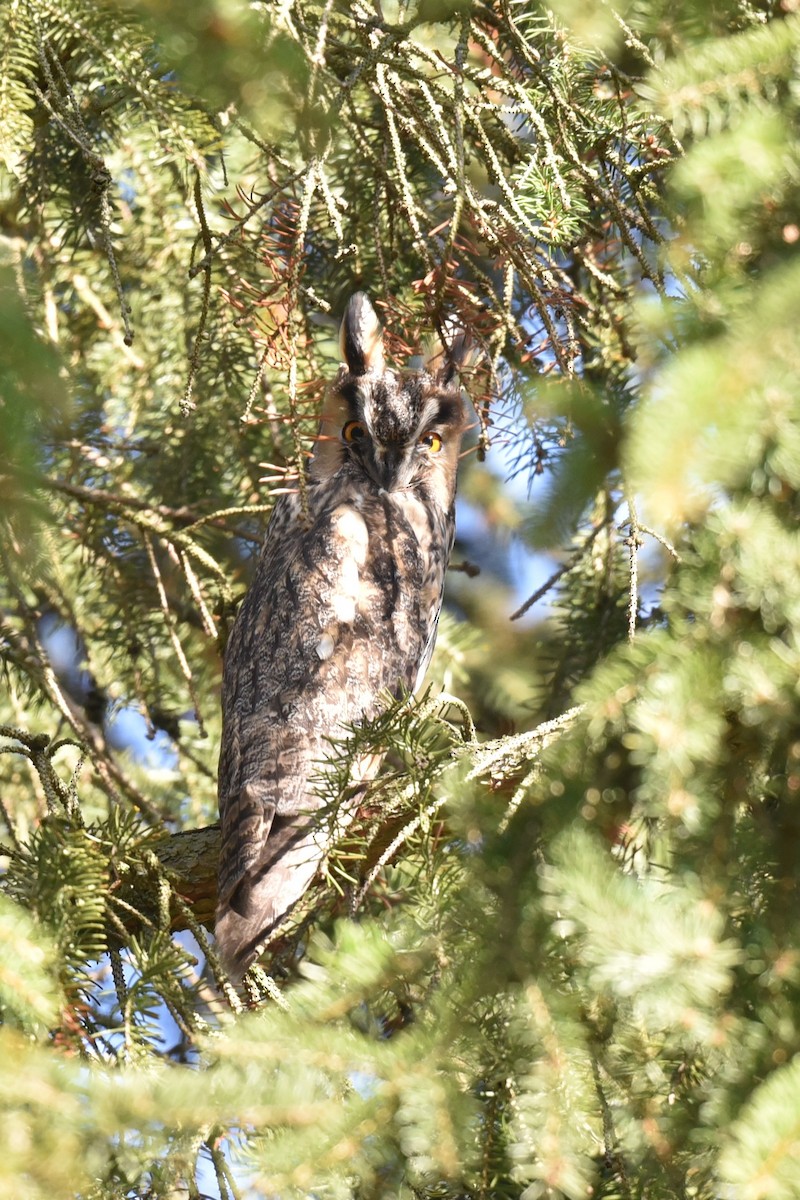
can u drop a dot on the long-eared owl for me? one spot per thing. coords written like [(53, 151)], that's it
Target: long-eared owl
[(343, 607)]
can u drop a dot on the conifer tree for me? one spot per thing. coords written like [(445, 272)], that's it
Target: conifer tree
[(556, 955)]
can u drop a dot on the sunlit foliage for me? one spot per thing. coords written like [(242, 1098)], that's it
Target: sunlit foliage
[(556, 955)]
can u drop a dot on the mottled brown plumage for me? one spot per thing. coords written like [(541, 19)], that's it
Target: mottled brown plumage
[(343, 606)]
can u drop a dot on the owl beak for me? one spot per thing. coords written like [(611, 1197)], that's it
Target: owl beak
[(390, 465)]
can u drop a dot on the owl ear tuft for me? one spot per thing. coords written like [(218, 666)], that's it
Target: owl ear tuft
[(361, 337), (446, 359)]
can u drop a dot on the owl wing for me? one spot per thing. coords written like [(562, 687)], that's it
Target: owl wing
[(340, 610)]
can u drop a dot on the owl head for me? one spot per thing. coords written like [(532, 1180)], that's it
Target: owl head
[(400, 430)]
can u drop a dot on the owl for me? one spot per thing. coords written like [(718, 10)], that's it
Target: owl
[(342, 609)]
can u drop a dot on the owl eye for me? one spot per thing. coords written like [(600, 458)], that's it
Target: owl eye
[(354, 431), (432, 441)]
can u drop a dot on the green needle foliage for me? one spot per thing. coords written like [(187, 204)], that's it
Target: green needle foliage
[(556, 952)]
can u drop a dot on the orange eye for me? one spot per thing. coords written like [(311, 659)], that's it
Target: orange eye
[(354, 431), (432, 441)]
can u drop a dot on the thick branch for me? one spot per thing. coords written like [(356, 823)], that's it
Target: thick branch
[(190, 860)]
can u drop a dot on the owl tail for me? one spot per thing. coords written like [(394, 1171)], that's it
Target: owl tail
[(248, 917)]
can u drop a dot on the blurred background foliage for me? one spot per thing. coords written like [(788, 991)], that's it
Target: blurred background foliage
[(558, 954)]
